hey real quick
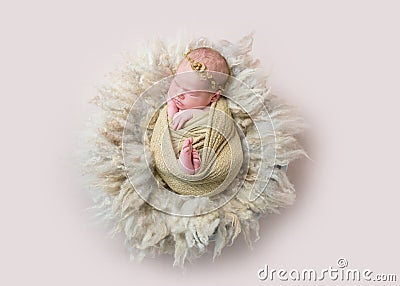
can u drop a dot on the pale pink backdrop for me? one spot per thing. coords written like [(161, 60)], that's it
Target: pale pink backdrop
[(337, 61)]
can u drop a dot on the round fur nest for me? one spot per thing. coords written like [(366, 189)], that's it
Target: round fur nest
[(148, 230)]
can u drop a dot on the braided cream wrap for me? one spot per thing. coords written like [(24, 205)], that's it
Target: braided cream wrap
[(214, 136)]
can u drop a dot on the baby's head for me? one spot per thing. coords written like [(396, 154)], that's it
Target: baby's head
[(199, 79)]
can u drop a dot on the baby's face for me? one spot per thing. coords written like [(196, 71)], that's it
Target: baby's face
[(187, 90)]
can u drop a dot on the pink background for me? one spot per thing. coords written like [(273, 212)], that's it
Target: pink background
[(337, 61)]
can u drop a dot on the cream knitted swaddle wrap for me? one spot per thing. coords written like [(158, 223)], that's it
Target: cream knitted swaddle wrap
[(215, 138)]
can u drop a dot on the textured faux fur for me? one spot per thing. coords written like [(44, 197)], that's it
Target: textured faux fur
[(150, 232)]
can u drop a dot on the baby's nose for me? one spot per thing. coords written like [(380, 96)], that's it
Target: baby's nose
[(181, 96)]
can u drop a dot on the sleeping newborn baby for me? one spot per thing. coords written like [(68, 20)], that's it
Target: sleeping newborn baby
[(198, 83), (197, 123)]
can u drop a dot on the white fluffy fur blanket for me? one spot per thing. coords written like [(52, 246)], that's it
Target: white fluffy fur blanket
[(118, 164)]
